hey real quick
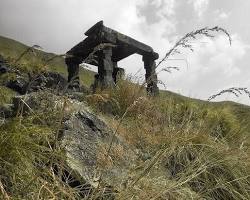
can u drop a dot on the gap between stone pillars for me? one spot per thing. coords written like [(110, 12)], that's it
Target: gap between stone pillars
[(73, 72), (115, 72)]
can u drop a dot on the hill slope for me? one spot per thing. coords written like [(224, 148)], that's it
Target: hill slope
[(13, 49), (171, 146), (10, 48), (240, 110)]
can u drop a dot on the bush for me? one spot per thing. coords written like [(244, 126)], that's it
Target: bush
[(26, 157), (6, 95), (119, 99)]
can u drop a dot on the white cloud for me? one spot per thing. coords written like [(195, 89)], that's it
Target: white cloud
[(213, 66), (200, 6), (151, 34), (168, 8), (163, 7), (221, 15), (59, 24)]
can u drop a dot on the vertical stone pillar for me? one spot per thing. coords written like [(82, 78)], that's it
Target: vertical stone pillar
[(151, 77), (73, 72), (105, 68)]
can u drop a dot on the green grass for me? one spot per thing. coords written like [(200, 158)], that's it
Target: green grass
[(241, 111), (27, 154), (189, 149), (194, 149), (6, 95), (12, 49)]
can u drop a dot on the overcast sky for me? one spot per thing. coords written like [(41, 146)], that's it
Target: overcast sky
[(57, 25)]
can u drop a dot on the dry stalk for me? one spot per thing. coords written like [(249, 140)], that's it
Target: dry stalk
[(2, 118), (169, 69), (237, 91), (185, 43), (182, 43), (4, 193), (32, 49), (60, 124), (147, 169)]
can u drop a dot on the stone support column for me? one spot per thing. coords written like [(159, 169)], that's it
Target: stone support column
[(106, 68), (151, 77)]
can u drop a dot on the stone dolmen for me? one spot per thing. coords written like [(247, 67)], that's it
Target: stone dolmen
[(104, 48)]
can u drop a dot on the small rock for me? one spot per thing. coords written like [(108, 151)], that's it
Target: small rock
[(3, 69), (48, 80), (19, 85), (51, 80)]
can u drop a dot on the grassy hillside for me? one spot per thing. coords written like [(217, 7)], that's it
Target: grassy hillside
[(185, 148), (242, 112), (12, 49)]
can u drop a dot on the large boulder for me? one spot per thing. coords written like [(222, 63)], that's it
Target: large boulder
[(93, 150)]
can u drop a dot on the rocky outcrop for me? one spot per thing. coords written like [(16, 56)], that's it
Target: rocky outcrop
[(47, 80), (93, 150), (19, 84), (87, 140), (51, 80), (26, 83)]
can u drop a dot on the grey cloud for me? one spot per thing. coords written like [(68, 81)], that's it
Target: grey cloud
[(57, 25), (150, 11), (34, 23)]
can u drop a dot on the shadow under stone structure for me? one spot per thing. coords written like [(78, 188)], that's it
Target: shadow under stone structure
[(118, 46)]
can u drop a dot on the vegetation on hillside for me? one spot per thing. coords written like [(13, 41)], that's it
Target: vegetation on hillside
[(188, 149), (37, 60)]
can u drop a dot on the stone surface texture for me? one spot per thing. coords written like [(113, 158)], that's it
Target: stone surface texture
[(86, 138)]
